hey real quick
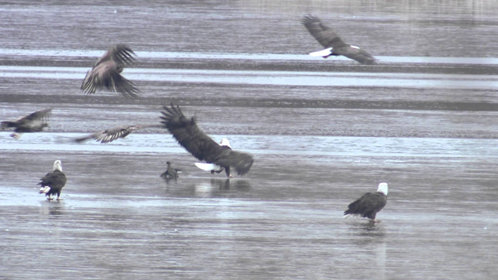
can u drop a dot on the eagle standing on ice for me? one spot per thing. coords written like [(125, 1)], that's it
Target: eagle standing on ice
[(53, 182), (333, 43), (201, 146), (106, 73), (370, 203)]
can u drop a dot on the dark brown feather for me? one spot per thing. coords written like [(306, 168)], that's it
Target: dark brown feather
[(33, 122), (109, 135), (106, 73), (329, 39)]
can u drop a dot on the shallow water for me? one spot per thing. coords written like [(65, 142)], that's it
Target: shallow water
[(322, 133)]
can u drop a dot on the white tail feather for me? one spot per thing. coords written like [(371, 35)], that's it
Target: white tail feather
[(44, 189), (325, 52)]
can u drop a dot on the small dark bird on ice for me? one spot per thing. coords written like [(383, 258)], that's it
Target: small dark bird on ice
[(106, 73), (333, 43), (34, 122), (369, 204), (201, 146), (170, 173), (53, 182)]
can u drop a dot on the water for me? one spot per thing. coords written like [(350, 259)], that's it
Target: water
[(322, 133)]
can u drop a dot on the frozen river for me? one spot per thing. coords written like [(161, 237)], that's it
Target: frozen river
[(322, 133)]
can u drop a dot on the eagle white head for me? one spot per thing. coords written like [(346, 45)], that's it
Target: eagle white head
[(225, 142), (383, 188), (57, 165)]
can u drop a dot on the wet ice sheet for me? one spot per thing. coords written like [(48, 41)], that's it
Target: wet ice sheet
[(277, 227), (274, 78), (284, 219), (245, 56), (265, 144)]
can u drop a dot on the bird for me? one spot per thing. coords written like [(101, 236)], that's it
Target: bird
[(109, 135), (369, 204), (53, 182), (170, 173), (106, 73), (200, 145), (333, 43), (34, 122)]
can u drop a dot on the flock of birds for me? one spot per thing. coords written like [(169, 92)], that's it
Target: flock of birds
[(106, 74)]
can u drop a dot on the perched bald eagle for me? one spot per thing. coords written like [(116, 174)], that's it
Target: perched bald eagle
[(53, 182), (106, 73), (333, 43), (34, 122), (170, 173), (201, 146), (109, 135), (370, 203)]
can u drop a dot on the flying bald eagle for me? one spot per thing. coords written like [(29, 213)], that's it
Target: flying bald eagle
[(53, 182), (370, 203), (170, 173), (34, 122), (201, 146), (109, 135), (106, 73), (333, 43)]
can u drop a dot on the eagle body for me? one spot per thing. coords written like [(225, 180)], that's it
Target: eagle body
[(34, 122), (53, 182), (369, 204), (201, 146), (334, 45), (106, 73)]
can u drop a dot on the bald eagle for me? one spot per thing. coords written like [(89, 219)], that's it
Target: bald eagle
[(170, 173), (201, 146), (106, 73), (53, 182), (109, 135), (333, 43), (34, 122), (370, 203)]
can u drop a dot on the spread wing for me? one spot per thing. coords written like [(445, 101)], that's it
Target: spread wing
[(108, 76), (120, 53), (109, 135), (356, 53), (201, 146), (329, 39), (33, 122), (106, 73), (323, 34)]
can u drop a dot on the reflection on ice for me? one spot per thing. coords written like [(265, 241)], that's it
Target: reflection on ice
[(217, 187)]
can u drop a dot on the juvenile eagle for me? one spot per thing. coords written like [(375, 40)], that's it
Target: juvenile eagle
[(201, 146), (34, 122), (106, 73), (333, 43), (109, 135)]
